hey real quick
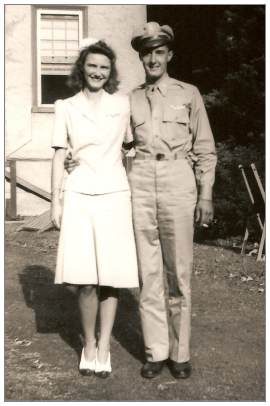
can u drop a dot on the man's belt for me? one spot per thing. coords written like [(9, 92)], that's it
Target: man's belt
[(160, 156)]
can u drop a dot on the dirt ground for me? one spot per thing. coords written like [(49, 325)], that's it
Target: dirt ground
[(42, 331)]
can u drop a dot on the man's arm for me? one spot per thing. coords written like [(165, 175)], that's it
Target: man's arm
[(205, 152), (70, 163)]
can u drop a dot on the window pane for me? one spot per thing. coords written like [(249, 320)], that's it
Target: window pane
[(46, 45), (46, 24), (58, 50), (46, 33), (59, 33), (46, 54), (73, 24), (59, 45), (72, 34), (53, 88), (72, 45), (59, 24)]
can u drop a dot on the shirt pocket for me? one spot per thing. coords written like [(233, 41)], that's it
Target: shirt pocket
[(137, 121), (113, 117), (175, 124)]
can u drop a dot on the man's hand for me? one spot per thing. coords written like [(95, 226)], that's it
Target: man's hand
[(70, 163), (204, 212)]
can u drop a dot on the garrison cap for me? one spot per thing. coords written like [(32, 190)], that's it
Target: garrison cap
[(152, 35)]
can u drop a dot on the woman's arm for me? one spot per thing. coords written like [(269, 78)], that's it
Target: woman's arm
[(56, 185)]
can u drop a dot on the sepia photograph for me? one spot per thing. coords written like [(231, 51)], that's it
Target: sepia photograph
[(134, 202)]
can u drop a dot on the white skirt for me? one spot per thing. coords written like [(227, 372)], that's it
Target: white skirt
[(96, 244)]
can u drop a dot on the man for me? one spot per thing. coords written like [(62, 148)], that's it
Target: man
[(173, 140)]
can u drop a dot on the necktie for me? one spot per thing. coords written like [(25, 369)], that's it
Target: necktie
[(151, 94)]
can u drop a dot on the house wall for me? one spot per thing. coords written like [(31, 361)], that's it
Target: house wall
[(28, 131), (18, 76), (117, 27)]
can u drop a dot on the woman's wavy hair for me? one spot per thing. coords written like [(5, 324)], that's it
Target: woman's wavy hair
[(76, 79)]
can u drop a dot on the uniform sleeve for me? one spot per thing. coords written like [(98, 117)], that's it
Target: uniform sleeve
[(203, 142), (60, 134)]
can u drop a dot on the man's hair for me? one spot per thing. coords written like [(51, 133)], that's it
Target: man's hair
[(76, 79)]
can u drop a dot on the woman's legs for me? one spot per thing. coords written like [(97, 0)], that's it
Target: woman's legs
[(108, 306), (88, 304)]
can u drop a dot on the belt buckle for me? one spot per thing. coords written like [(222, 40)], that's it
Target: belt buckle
[(160, 157)]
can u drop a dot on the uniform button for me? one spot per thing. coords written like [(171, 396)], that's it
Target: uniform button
[(160, 156)]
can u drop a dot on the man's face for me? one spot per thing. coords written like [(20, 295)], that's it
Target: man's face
[(155, 62)]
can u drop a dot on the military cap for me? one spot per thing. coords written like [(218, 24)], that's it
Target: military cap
[(152, 35)]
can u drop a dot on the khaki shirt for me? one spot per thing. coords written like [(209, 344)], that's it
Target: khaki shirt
[(176, 121)]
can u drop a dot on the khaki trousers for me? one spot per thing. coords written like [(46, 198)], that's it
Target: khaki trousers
[(164, 195)]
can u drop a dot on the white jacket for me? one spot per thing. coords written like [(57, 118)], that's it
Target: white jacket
[(95, 141)]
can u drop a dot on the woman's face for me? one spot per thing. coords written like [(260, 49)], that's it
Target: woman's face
[(97, 69)]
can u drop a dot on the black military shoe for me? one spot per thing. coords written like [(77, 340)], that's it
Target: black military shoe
[(152, 369), (180, 370)]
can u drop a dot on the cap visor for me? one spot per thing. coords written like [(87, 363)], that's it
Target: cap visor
[(142, 45)]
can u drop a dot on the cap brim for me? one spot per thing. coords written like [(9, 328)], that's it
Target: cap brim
[(141, 45)]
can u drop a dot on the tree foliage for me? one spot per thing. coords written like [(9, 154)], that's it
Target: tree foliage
[(237, 106), (221, 49), (237, 113)]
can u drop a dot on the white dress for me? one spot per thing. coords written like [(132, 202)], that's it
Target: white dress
[(96, 244)]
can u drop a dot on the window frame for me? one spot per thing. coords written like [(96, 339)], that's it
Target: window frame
[(81, 12)]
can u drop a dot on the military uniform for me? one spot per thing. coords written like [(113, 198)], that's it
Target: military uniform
[(175, 153)]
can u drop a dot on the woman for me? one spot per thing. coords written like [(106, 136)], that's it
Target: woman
[(96, 252)]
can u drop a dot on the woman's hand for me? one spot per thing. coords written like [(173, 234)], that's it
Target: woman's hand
[(56, 213)]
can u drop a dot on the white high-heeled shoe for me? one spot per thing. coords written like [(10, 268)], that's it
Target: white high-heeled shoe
[(103, 370), (87, 367)]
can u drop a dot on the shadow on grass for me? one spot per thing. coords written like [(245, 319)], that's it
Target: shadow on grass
[(56, 311), (55, 307), (127, 326)]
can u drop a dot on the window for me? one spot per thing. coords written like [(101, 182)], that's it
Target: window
[(59, 33)]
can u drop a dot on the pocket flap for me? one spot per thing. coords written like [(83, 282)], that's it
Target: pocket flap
[(177, 114), (113, 114), (136, 122)]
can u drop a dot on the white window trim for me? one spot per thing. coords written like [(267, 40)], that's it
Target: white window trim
[(78, 13)]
